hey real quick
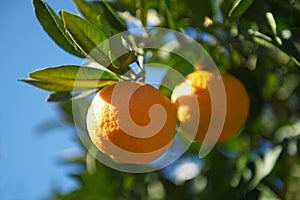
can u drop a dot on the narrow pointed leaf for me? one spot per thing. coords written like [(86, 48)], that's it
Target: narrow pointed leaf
[(114, 18), (71, 77), (47, 86), (239, 7), (101, 15), (168, 15), (143, 11), (87, 37), (53, 25), (73, 72), (59, 96), (66, 71), (92, 12)]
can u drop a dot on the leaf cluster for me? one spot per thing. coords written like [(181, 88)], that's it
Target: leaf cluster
[(86, 38)]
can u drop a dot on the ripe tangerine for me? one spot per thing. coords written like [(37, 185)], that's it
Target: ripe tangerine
[(237, 105), (131, 122)]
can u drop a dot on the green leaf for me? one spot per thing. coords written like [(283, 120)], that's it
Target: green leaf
[(120, 64), (47, 86), (142, 11), (59, 96), (53, 25), (71, 77), (241, 164), (239, 7), (114, 18), (72, 72), (200, 9), (232, 146), (87, 37), (269, 85), (91, 40), (168, 15), (101, 15)]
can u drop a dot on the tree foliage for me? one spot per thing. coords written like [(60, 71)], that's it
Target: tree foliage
[(256, 40)]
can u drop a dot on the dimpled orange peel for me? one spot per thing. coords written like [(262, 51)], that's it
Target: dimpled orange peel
[(131, 122)]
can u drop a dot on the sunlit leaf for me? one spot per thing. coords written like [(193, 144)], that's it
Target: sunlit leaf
[(73, 72), (48, 86), (87, 37), (71, 77), (53, 25)]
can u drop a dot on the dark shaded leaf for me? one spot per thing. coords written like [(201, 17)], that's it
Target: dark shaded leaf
[(239, 7), (65, 96), (200, 9), (142, 11), (53, 25), (168, 15), (121, 64), (114, 18), (101, 15), (59, 96)]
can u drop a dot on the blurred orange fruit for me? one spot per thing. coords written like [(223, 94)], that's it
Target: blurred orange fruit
[(131, 122), (194, 94)]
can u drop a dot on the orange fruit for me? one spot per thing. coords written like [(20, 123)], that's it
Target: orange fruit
[(131, 122), (195, 88)]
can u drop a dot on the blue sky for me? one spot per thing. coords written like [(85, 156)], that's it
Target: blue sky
[(29, 161)]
